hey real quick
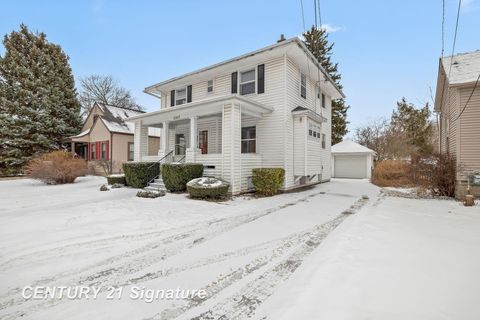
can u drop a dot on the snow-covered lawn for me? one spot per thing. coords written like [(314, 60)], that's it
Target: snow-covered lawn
[(281, 258)]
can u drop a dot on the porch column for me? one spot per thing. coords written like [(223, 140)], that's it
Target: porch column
[(140, 141), (231, 146), (164, 139), (192, 151)]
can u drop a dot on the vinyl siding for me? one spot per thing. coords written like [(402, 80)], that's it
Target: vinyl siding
[(469, 132)]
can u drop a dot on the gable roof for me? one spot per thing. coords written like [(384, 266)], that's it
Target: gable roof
[(348, 146), (465, 67), (115, 119), (270, 51)]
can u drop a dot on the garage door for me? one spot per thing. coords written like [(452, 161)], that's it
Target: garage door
[(350, 167)]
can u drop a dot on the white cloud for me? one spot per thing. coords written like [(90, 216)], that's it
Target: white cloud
[(331, 28)]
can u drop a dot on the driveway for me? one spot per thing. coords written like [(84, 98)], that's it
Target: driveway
[(240, 251)]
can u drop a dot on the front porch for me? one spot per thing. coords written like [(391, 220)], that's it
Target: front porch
[(220, 133)]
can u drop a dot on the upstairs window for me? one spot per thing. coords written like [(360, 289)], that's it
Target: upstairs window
[(210, 86), (303, 86), (323, 101), (249, 140), (180, 96), (247, 82)]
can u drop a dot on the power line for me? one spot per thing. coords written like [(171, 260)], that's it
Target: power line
[(455, 37), (303, 16), (319, 13), (466, 103)]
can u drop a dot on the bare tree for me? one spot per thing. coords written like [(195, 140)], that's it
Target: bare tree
[(380, 136), (104, 89)]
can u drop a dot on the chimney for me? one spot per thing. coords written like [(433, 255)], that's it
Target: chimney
[(282, 38)]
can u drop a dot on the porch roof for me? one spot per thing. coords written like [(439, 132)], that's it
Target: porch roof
[(301, 111), (201, 108)]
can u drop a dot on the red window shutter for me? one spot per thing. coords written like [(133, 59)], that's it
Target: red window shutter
[(108, 149), (88, 151)]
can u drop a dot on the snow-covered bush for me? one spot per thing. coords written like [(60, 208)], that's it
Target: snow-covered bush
[(57, 167), (211, 188), (176, 175), (150, 194), (267, 181), (138, 174), (104, 187), (116, 179)]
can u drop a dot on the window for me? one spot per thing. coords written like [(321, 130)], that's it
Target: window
[(303, 86), (103, 153), (324, 138), (314, 130), (249, 136), (247, 82), (180, 96), (131, 151), (180, 144), (323, 101), (92, 151), (210, 86)]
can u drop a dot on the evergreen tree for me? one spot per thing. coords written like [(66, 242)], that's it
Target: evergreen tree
[(38, 100), (317, 42), (414, 124)]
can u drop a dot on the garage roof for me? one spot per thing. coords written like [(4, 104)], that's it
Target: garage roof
[(348, 146)]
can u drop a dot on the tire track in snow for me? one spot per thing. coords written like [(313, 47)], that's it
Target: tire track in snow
[(129, 263), (244, 303)]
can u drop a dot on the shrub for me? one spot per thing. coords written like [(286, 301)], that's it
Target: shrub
[(391, 173), (116, 179), (57, 167), (267, 181), (436, 173), (176, 175), (150, 194), (207, 188), (138, 174)]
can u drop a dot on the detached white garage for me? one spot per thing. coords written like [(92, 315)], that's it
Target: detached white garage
[(351, 160)]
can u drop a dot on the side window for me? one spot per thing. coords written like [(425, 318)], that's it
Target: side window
[(210, 86), (103, 154), (92, 151), (130, 151), (324, 138), (303, 86), (323, 101), (249, 140)]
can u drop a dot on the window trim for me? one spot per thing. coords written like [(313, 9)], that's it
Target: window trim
[(301, 86), (176, 95), (213, 86), (239, 80), (103, 153), (248, 139), (128, 151), (93, 151)]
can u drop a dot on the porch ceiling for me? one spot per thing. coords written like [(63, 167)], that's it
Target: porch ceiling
[(201, 108)]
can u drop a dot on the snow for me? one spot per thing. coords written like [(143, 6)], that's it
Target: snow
[(348, 146), (291, 256), (206, 182), (465, 67), (396, 259)]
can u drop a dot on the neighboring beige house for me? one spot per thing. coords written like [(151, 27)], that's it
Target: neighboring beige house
[(106, 139), (267, 108), (459, 122)]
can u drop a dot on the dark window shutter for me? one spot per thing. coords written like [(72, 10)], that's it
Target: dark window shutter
[(189, 93), (234, 82), (261, 78), (172, 98)]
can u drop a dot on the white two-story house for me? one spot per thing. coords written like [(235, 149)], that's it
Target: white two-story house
[(267, 108)]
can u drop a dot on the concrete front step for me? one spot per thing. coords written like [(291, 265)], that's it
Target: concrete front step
[(159, 185), (158, 180), (149, 188)]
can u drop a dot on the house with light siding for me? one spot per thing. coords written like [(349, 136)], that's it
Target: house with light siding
[(106, 139), (267, 108), (457, 102)]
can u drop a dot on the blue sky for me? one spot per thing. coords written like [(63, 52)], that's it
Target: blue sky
[(385, 49)]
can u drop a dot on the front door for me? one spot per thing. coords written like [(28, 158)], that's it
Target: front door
[(180, 144), (203, 141)]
